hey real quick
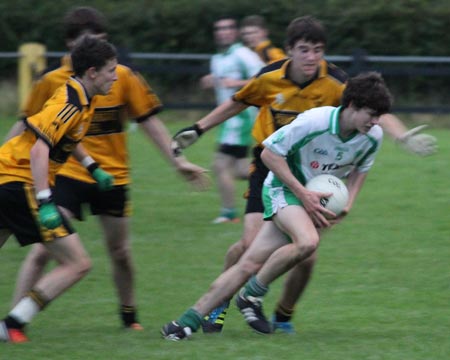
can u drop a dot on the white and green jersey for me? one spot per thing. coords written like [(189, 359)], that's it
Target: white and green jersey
[(312, 146), (240, 63)]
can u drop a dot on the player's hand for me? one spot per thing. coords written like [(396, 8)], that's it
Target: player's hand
[(187, 136), (418, 144), (320, 216), (194, 174), (105, 181), (340, 217), (49, 216)]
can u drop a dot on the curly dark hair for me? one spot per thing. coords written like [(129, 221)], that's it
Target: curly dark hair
[(90, 51), (368, 90)]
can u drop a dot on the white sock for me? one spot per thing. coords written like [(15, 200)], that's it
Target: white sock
[(25, 310)]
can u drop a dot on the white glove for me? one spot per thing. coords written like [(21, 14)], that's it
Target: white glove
[(187, 136), (419, 144)]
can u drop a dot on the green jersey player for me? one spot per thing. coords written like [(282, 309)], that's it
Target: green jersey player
[(341, 141)]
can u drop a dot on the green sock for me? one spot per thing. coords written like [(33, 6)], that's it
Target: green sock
[(230, 213), (192, 319), (255, 288)]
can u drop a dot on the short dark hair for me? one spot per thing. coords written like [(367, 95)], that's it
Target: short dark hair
[(368, 90), (90, 51), (254, 20), (81, 19), (305, 28)]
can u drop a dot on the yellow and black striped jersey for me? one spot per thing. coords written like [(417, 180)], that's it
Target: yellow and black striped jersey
[(105, 141), (280, 99), (62, 123), (268, 52)]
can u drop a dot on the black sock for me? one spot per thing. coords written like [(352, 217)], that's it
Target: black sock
[(128, 315), (283, 314), (12, 323)]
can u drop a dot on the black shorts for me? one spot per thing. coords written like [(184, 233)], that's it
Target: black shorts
[(258, 173), (71, 194), (19, 214), (236, 151)]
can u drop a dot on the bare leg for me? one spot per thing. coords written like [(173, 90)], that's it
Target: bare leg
[(252, 224), (31, 271), (116, 232), (224, 170), (241, 168), (296, 281), (33, 267), (228, 283), (295, 222), (73, 264)]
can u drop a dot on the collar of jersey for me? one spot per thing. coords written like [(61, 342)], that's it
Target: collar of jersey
[(334, 120), (231, 48), (81, 90), (262, 45)]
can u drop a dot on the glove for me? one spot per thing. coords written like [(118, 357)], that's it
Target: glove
[(49, 216), (105, 181), (419, 144), (187, 136)]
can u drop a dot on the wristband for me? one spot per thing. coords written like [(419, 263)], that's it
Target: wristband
[(87, 161), (44, 194), (91, 168), (197, 129)]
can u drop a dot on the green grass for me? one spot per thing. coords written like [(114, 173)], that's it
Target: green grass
[(381, 288)]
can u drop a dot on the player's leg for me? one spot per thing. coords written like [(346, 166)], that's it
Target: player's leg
[(267, 241), (253, 221), (294, 286), (31, 271), (33, 266), (297, 225), (241, 167), (117, 231), (73, 264), (223, 168)]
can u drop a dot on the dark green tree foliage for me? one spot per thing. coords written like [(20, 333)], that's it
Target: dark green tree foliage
[(395, 27)]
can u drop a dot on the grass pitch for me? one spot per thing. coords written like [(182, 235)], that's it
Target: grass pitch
[(380, 289)]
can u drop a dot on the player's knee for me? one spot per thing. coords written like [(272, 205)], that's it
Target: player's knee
[(305, 249), (249, 267), (121, 255), (81, 267), (39, 256)]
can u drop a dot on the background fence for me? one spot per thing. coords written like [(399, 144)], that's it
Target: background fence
[(419, 84)]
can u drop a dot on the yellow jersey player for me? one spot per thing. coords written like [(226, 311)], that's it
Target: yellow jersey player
[(105, 141), (28, 164), (254, 34)]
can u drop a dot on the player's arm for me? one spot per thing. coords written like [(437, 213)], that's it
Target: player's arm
[(158, 133), (49, 216), (39, 157), (310, 199), (411, 140), (105, 180), (189, 135), (355, 182), (16, 129)]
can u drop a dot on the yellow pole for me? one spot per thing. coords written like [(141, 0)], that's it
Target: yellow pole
[(32, 62)]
